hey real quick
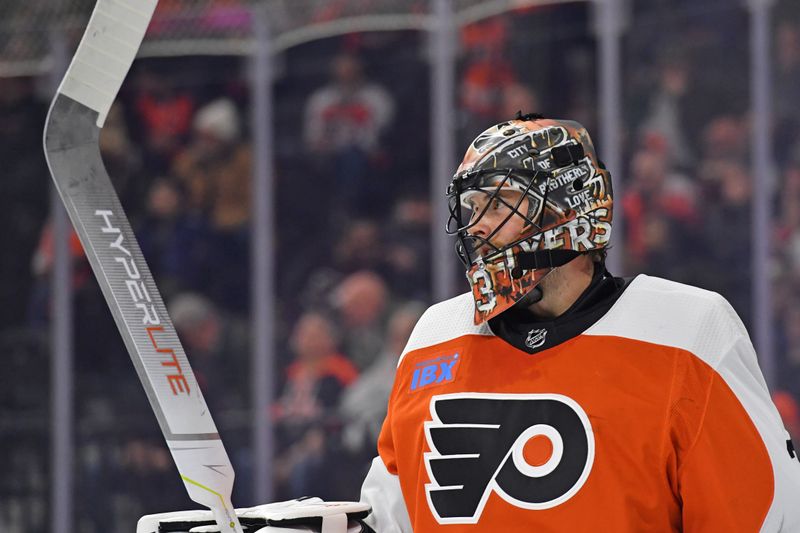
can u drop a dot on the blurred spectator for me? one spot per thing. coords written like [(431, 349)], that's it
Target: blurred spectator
[(787, 87), (361, 300), (42, 263), (486, 73), (359, 247), (788, 223), (725, 138), (344, 121), (176, 244), (659, 206), (363, 405), (217, 349), (165, 115), (305, 410), (727, 189), (408, 248), (216, 170), (668, 107), (727, 233), (213, 151)]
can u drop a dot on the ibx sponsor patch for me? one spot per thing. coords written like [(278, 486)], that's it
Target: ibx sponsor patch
[(441, 369)]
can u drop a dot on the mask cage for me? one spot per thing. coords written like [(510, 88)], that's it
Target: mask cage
[(491, 182)]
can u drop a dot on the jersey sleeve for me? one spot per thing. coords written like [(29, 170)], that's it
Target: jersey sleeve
[(381, 488), (732, 470)]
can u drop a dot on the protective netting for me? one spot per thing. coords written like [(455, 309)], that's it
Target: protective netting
[(31, 31), (28, 30)]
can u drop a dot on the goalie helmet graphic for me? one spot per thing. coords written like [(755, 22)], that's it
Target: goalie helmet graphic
[(530, 195)]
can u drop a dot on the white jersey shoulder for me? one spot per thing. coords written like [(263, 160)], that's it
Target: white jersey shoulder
[(445, 321), (703, 323), (673, 314)]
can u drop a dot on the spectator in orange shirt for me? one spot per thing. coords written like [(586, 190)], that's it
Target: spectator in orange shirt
[(305, 410)]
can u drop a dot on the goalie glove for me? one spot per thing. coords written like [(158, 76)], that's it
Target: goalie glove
[(305, 515)]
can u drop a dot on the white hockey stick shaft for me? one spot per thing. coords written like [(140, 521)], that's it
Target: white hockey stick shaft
[(104, 56)]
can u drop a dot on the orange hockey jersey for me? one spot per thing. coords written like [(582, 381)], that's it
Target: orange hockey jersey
[(656, 418)]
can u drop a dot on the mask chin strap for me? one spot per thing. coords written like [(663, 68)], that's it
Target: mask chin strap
[(541, 259)]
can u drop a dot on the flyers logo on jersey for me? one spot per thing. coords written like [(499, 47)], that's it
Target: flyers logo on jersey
[(535, 451)]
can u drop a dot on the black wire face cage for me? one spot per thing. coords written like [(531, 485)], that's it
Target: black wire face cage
[(490, 183)]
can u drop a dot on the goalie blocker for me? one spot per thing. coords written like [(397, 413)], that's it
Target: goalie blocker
[(305, 515)]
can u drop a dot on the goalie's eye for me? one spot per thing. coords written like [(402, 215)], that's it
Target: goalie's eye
[(470, 209)]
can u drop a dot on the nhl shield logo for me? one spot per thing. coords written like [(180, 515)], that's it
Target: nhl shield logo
[(536, 338)]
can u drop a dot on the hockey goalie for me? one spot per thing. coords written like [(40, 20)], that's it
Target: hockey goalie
[(554, 396)]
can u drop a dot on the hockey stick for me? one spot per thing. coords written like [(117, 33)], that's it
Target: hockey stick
[(104, 56)]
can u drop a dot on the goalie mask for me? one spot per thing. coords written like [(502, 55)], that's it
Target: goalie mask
[(529, 196)]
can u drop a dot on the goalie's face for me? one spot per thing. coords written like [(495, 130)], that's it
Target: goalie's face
[(490, 212), (496, 220)]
